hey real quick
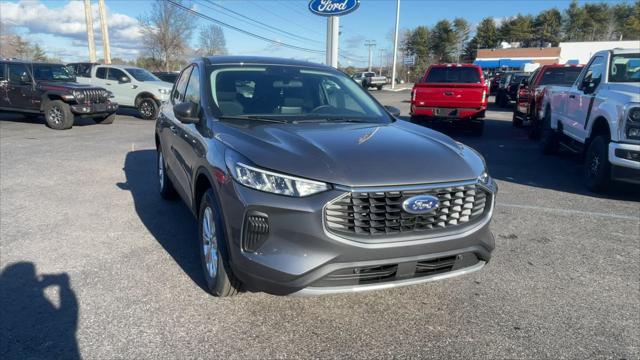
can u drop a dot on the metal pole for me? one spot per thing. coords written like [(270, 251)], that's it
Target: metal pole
[(105, 32), (88, 17), (395, 45), (370, 44), (328, 56), (335, 40)]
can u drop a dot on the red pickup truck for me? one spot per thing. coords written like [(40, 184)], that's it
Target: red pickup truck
[(452, 93), (531, 92)]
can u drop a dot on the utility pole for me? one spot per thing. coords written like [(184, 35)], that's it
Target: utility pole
[(370, 44), (105, 32), (88, 17), (395, 46), (382, 52)]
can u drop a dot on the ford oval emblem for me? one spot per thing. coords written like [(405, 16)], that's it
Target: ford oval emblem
[(420, 204), (333, 7)]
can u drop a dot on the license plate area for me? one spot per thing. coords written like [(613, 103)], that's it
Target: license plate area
[(445, 112)]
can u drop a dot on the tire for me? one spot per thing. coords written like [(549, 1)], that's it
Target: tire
[(167, 190), (379, 87), (477, 128), (58, 115), (516, 120), (549, 138), (218, 275), (105, 120), (597, 169), (148, 108)]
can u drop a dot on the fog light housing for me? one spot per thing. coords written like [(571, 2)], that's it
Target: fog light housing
[(633, 132), (628, 154), (255, 231)]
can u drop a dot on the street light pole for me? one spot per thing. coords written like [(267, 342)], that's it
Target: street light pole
[(395, 46), (88, 17), (105, 32)]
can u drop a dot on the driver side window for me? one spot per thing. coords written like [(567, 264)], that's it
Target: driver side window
[(593, 75), (115, 74)]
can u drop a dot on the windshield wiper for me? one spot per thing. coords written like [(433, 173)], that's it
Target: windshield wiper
[(254, 117), (334, 119)]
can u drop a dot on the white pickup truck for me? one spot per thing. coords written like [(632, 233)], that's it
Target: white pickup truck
[(598, 116), (368, 79)]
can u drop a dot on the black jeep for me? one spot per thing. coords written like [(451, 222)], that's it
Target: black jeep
[(34, 88)]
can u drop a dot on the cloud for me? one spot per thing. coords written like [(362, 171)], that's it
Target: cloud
[(68, 22), (356, 41)]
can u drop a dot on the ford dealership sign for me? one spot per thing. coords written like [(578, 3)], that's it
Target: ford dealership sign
[(333, 7)]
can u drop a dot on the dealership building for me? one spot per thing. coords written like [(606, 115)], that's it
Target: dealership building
[(564, 53)]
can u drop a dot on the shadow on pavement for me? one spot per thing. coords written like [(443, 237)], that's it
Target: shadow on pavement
[(31, 326), (511, 156), (169, 222), (39, 120)]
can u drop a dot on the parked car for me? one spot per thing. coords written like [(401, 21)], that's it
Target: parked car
[(310, 186), (495, 82), (453, 93), (132, 86), (34, 88), (600, 116), (529, 97), (168, 76), (369, 79), (508, 90)]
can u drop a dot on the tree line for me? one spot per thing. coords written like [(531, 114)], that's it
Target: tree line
[(450, 41)]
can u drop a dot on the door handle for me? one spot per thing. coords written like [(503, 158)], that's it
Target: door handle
[(448, 93), (572, 96), (107, 83), (173, 129)]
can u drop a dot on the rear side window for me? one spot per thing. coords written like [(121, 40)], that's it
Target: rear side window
[(83, 70), (16, 72), (464, 75), (560, 76), (101, 73)]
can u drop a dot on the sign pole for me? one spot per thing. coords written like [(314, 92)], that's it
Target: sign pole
[(333, 39), (395, 46)]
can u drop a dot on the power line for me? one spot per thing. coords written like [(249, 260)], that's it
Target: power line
[(286, 33), (288, 20), (221, 23)]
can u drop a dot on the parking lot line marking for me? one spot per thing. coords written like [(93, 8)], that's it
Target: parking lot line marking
[(572, 212)]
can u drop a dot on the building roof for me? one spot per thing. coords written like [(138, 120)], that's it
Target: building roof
[(529, 53)]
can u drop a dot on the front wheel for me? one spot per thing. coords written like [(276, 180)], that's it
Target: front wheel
[(597, 169), (148, 109), (217, 272), (58, 115), (379, 87)]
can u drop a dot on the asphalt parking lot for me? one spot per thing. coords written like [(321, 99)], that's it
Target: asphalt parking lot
[(95, 264)]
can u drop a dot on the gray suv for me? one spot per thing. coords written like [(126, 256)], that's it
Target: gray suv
[(302, 183)]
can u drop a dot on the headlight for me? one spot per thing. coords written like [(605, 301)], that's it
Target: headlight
[(632, 127), (78, 95), (271, 182), (164, 91)]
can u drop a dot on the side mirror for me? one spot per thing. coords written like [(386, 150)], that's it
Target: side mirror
[(124, 79), (187, 112), (394, 111)]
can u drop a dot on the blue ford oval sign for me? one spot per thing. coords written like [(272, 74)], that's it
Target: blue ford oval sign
[(420, 204), (333, 7)]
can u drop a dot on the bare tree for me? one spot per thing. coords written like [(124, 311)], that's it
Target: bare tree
[(166, 32), (212, 41)]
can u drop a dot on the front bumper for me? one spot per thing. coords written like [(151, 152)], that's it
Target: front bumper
[(300, 253), (94, 109), (623, 157)]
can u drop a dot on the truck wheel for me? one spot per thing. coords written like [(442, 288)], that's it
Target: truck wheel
[(379, 87), (219, 277), (148, 108), (516, 120), (105, 120), (58, 115), (597, 169), (549, 138), (167, 191)]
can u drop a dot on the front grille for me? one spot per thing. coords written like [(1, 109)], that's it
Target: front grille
[(94, 96), (359, 276), (435, 266), (369, 214)]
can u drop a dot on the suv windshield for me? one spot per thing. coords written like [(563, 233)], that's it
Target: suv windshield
[(560, 76), (52, 72), (465, 75), (142, 74), (625, 68), (291, 93)]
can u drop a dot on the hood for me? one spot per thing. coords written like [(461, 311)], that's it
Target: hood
[(65, 85), (157, 84), (399, 153), (629, 90)]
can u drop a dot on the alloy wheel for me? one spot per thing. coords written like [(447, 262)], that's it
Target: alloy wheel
[(55, 115), (210, 243), (161, 170)]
